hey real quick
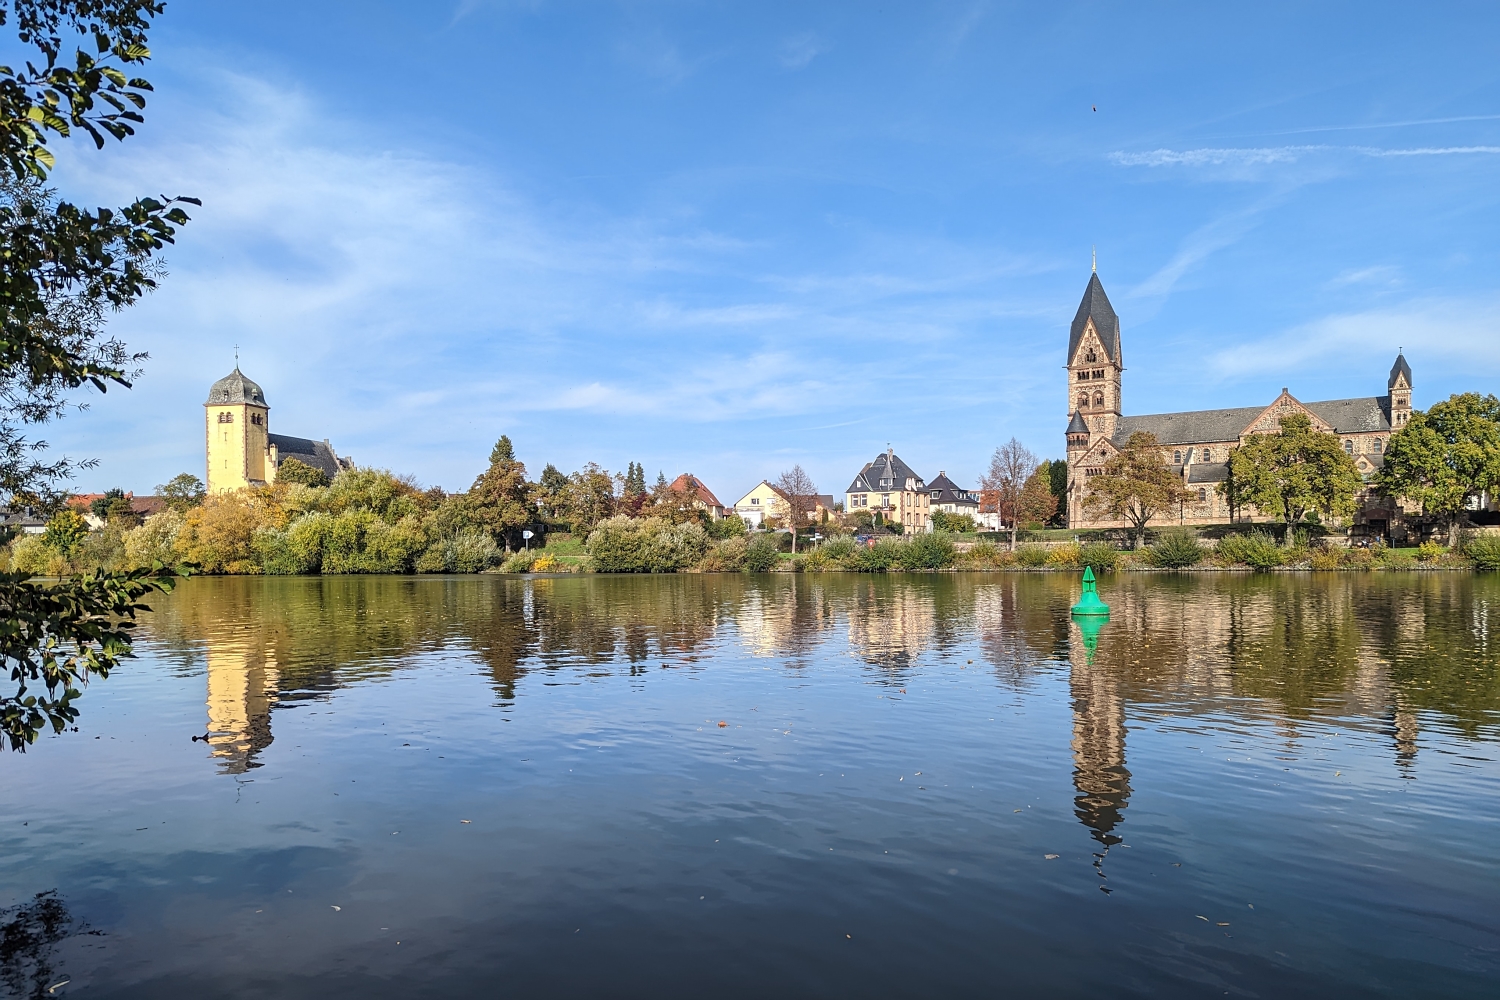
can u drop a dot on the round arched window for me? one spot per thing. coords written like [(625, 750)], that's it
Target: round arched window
[(1098, 399), (1083, 401)]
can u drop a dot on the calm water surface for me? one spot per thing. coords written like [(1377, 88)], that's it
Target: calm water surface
[(1271, 786)]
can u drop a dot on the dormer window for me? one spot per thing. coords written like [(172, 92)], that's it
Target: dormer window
[(1091, 357)]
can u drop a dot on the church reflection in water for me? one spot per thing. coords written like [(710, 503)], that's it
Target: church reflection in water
[(242, 688), (1371, 650)]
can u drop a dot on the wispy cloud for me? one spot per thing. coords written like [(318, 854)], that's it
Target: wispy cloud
[(1438, 332), (1256, 156), (801, 49)]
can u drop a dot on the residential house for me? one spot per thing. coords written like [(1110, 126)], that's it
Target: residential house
[(703, 497), (760, 503), (951, 498), (889, 487)]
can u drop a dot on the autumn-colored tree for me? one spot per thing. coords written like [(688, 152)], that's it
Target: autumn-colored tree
[(1444, 456), (1011, 466), (1037, 504), (1135, 485), (590, 498), (500, 502), (1296, 470), (799, 498)]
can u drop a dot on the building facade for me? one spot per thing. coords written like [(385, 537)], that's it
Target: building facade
[(241, 450), (760, 503), (889, 487), (1196, 444)]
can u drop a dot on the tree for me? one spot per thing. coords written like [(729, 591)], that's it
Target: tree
[(1135, 485), (952, 523), (63, 269), (65, 531), (100, 505), (183, 491), (1057, 481), (1010, 466), (294, 470), (551, 491), (1036, 503), (1445, 456), (500, 501), (1297, 470), (800, 497), (590, 497), (1238, 483), (633, 495)]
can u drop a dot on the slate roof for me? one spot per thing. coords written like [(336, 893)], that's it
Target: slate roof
[(318, 454), (1201, 473), (1368, 413), (945, 490), (1399, 368), (1345, 416), (235, 388), (1095, 304), (1190, 428), (887, 466), (1078, 425)]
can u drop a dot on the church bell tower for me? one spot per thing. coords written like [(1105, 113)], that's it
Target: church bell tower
[(1094, 364), (236, 421)]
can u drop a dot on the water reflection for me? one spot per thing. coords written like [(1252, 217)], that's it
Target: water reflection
[(1387, 648)]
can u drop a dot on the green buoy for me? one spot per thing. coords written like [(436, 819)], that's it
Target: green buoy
[(1089, 604)]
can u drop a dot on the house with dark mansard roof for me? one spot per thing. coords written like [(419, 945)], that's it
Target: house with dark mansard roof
[(1197, 443)]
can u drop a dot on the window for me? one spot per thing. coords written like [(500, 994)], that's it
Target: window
[(255, 418), (1083, 401), (1176, 458), (1098, 399), (1208, 455), (937, 494), (885, 499), (1348, 447), (1202, 494), (1092, 357), (755, 500), (1376, 449), (1083, 376), (1098, 373), (226, 417)]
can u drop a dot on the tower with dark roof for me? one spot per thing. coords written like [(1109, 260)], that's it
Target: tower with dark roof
[(238, 432), (241, 449), (1398, 386), (1095, 362)]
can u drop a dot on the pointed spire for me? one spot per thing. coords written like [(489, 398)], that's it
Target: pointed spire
[(1095, 252), (1095, 306)]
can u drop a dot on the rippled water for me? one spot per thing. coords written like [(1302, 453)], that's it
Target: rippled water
[(801, 786)]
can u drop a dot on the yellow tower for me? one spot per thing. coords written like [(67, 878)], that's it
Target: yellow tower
[(238, 434)]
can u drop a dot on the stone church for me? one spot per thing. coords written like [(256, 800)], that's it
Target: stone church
[(1196, 444), (241, 449)]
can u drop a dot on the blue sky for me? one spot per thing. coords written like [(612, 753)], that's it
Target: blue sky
[(726, 238)]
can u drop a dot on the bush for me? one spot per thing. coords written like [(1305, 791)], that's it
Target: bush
[(1484, 551), (466, 551), (1257, 549), (732, 526), (1065, 556), (1428, 551), (986, 555), (726, 557), (1175, 549), (519, 562), (623, 544), (878, 558), (1031, 555), (30, 554), (546, 563), (1394, 558), (1325, 557), (925, 551), (841, 549), (1101, 556), (155, 540), (953, 523), (760, 554)]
